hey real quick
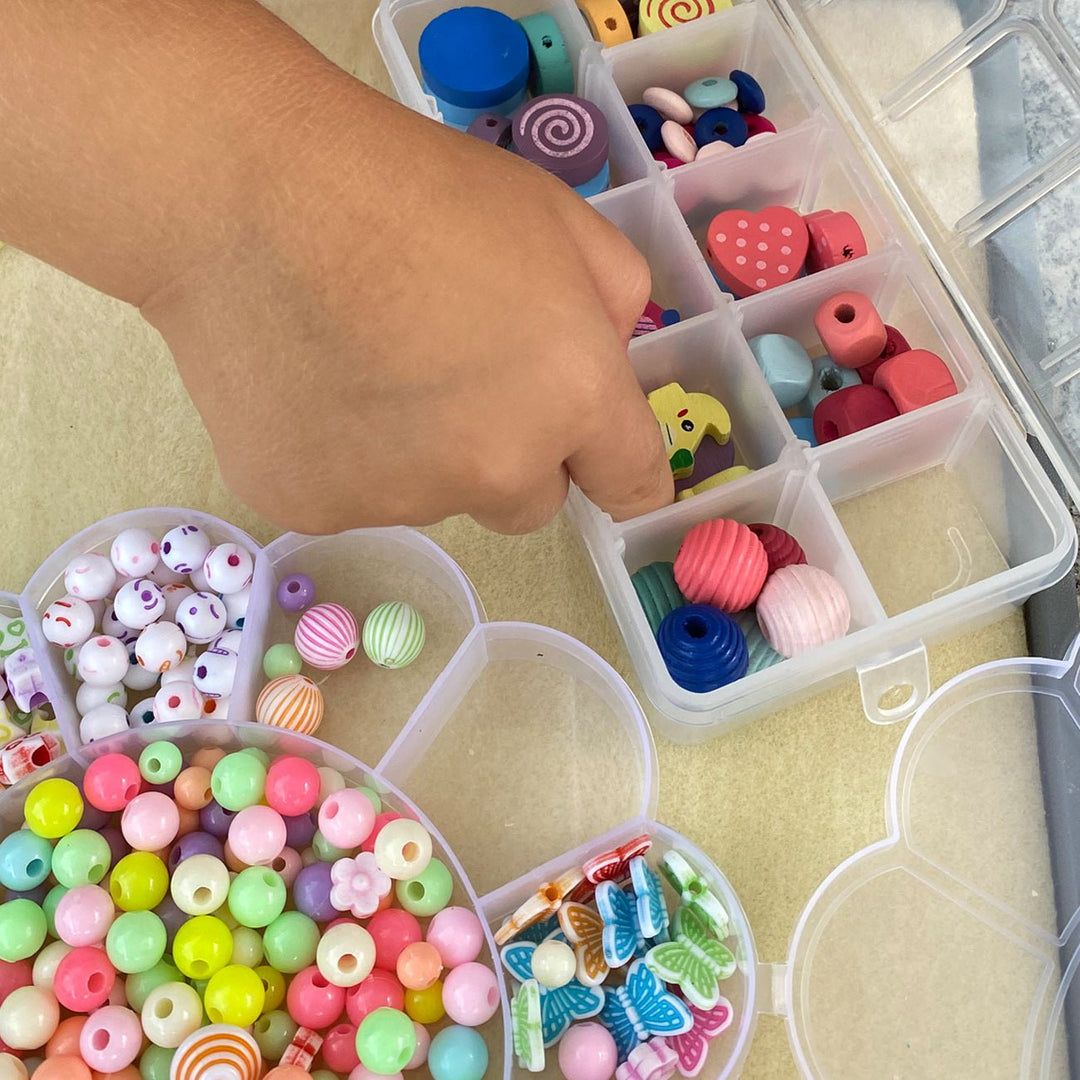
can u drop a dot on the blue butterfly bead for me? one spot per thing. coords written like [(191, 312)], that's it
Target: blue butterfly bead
[(641, 1008), (652, 912), (623, 939)]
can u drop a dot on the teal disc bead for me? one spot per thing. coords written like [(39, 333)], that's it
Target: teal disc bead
[(273, 1032), (257, 896), (23, 927), (160, 762), (156, 1062), (238, 781), (135, 942), (457, 1053), (50, 904), (290, 942), (25, 860), (711, 92), (385, 1041), (247, 947), (139, 986), (282, 659), (325, 851), (762, 654), (427, 893), (393, 634), (657, 592), (83, 857)]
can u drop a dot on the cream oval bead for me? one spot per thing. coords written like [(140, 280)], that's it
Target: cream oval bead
[(171, 1013), (47, 961), (403, 849), (200, 885), (345, 955), (11, 1068), (29, 1016)]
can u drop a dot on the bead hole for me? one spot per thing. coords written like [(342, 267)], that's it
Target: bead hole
[(202, 895), (163, 1009), (845, 313), (34, 867), (40, 756), (293, 587), (278, 864), (410, 851), (830, 381), (216, 1016), (610, 24), (696, 626), (270, 880), (234, 560), (551, 893), (491, 121), (96, 983), (708, 82), (100, 1039), (200, 968), (415, 890), (720, 129), (546, 42), (347, 963)]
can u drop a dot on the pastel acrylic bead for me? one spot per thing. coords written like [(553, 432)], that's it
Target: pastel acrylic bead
[(379, 990), (851, 409), (53, 808), (102, 661), (184, 548), (564, 134), (228, 568), (84, 979), (327, 636), (170, 1013), (89, 577), (346, 954), (722, 563), (720, 125), (202, 946), (292, 702), (786, 365), (392, 930), (702, 648), (282, 659), (458, 934), (553, 964), (656, 15), (491, 128), (68, 622), (339, 1049), (12, 1068), (191, 788), (274, 1031), (83, 915), (607, 21), (656, 591), (257, 835), (28, 1018), (200, 885), (311, 892), (781, 548), (292, 786), (648, 121), (802, 607), (402, 848), (393, 634), (834, 239), (295, 593), (136, 941), (457, 1053), (418, 965), (428, 892), (895, 342), (670, 105), (385, 1041), (25, 860), (234, 995), (471, 994), (160, 646), (313, 1001), (915, 378), (678, 142), (587, 1052), (829, 378), (291, 941), (46, 963), (150, 821), (426, 1006), (238, 781), (751, 252), (346, 818), (23, 929), (138, 882), (850, 329), (711, 92), (550, 68), (217, 1050)]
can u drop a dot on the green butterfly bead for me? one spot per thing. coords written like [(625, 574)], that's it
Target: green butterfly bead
[(527, 1026), (693, 959), (695, 893)]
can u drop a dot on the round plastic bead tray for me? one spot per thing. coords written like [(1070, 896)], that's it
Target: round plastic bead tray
[(990, 529)]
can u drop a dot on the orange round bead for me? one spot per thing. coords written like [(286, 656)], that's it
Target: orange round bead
[(65, 1039), (63, 1067), (191, 789), (207, 757), (419, 966)]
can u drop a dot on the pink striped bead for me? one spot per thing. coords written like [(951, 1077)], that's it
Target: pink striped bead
[(327, 636)]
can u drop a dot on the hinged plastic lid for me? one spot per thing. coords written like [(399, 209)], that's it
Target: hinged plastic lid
[(969, 110)]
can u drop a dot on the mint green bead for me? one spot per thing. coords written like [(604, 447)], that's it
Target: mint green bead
[(138, 987), (282, 659), (155, 1062), (257, 896), (50, 904), (428, 892), (247, 947), (23, 927), (325, 851), (135, 941), (160, 762), (199, 986), (385, 1041), (273, 1032), (238, 780), (258, 752), (290, 942), (458, 1053), (373, 795), (83, 857)]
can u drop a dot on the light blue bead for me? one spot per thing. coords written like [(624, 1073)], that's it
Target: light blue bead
[(723, 287), (457, 1053), (711, 92), (459, 117), (25, 860), (786, 366), (803, 426), (599, 183), (762, 654), (828, 378)]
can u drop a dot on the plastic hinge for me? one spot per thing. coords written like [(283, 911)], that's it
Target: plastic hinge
[(893, 687), (772, 994)]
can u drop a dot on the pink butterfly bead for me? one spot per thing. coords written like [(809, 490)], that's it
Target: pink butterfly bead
[(692, 1047)]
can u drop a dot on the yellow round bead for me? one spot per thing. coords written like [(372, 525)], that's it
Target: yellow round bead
[(138, 882), (235, 995), (202, 947), (53, 808), (273, 986), (425, 1006)]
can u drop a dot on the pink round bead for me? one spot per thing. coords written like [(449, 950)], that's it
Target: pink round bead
[(587, 1052), (379, 990), (312, 1001), (292, 786), (802, 607), (360, 1073), (288, 863), (721, 562), (111, 1039), (84, 915), (470, 994), (84, 979), (150, 821), (346, 818), (14, 974), (339, 1049), (458, 934), (111, 782), (423, 1043), (327, 636), (391, 930), (257, 835)]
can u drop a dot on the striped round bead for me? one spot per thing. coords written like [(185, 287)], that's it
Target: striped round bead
[(327, 636), (217, 1051), (394, 634), (292, 702)]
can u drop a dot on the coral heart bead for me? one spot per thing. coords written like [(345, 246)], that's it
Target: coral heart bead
[(753, 252)]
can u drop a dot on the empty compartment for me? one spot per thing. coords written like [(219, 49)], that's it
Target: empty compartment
[(526, 747), (952, 509), (646, 217), (746, 37), (366, 705)]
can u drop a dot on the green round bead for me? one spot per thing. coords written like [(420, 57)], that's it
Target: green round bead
[(160, 762), (238, 780), (83, 857), (385, 1041), (135, 942), (290, 942), (23, 927), (247, 947), (428, 892), (257, 897), (139, 986), (325, 851), (273, 1032), (50, 904), (156, 1062), (373, 795), (260, 753), (282, 659)]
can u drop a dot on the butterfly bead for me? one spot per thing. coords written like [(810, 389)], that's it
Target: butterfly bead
[(694, 892), (622, 937), (652, 912), (614, 865), (693, 960), (641, 1008), (543, 903), (526, 1025), (584, 929), (692, 1047)]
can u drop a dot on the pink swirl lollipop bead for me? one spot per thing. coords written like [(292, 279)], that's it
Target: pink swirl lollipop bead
[(722, 563), (802, 607), (327, 636), (564, 134)]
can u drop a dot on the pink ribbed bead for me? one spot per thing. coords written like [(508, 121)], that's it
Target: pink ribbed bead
[(721, 562)]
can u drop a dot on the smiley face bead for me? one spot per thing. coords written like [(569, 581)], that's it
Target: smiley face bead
[(102, 661), (215, 671), (228, 568), (68, 622), (90, 577), (160, 646), (184, 548), (138, 603), (202, 617), (177, 701), (135, 552)]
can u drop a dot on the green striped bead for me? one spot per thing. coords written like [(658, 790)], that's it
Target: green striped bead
[(657, 592), (393, 634), (762, 654)]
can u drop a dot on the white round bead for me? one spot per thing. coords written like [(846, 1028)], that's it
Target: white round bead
[(162, 575), (89, 697), (553, 964), (346, 955), (228, 568), (112, 626), (184, 672), (68, 622), (202, 617), (199, 581), (90, 576), (216, 708), (135, 552), (102, 661), (184, 548), (236, 605), (161, 646), (28, 1017), (139, 603), (178, 701), (175, 595), (142, 713), (138, 678), (229, 640), (102, 722), (215, 672), (402, 849)]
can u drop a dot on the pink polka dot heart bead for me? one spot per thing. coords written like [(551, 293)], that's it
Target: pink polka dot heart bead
[(802, 607), (327, 636), (754, 252), (721, 562), (217, 1051)]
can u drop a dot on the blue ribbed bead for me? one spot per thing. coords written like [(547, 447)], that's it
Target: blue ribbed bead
[(702, 647)]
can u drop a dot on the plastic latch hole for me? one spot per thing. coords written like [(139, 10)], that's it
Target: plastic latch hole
[(897, 699), (844, 313)]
